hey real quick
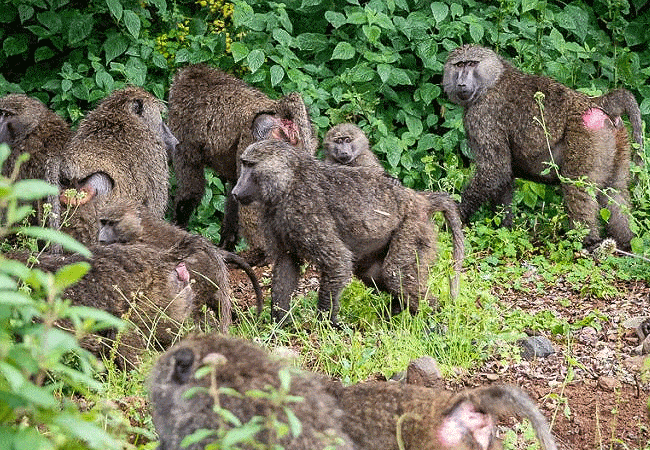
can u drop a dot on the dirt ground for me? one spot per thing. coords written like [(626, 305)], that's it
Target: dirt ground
[(603, 403)]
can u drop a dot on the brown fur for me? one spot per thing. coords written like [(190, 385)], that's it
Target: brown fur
[(347, 144), (126, 222), (365, 416), (119, 151), (211, 113), (507, 142), (621, 102), (344, 220)]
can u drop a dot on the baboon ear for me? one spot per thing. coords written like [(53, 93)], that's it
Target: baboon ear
[(138, 106), (183, 360), (464, 424)]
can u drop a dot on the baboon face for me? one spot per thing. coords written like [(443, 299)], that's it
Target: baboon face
[(119, 224), (345, 142), (469, 71), (11, 126)]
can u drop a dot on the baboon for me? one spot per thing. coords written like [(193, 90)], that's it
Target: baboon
[(344, 220), (153, 289), (621, 102), (507, 141), (125, 221), (366, 416), (212, 114), (347, 144), (119, 151), (28, 126), (244, 367)]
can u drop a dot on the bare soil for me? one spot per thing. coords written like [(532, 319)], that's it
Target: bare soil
[(592, 389)]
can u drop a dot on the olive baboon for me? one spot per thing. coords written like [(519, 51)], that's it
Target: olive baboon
[(150, 287), (245, 367), (212, 113), (347, 144), (28, 126), (345, 220), (507, 141), (366, 416), (621, 102), (125, 221), (119, 151)]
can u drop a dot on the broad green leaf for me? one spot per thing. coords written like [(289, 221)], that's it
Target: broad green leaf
[(277, 73), (294, 423), (114, 46), (476, 31), (255, 60), (160, 61), (25, 12), (362, 74), (372, 33), (98, 315), (7, 283), (33, 189), (70, 274), (605, 214), (357, 18), (440, 11), (384, 72), (92, 434), (161, 5), (343, 50), (115, 7), (414, 125), (80, 28), (13, 376), (132, 22), (43, 54), (136, 71), (239, 51), (243, 14), (57, 237), (335, 18), (428, 92), (383, 21), (282, 37), (50, 20), (314, 42), (15, 44), (527, 5), (456, 10), (197, 437), (104, 80), (15, 298), (242, 434)]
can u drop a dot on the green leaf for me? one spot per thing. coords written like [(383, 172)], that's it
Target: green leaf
[(343, 50), (15, 44), (58, 237), (428, 92), (335, 18), (136, 71), (50, 20), (440, 11), (605, 214), (15, 298), (104, 80), (294, 423), (282, 37), (255, 60), (277, 73), (372, 33), (527, 5), (33, 189), (25, 12), (132, 22), (314, 42), (100, 316), (70, 274), (115, 7), (80, 28), (43, 54), (197, 437), (92, 434), (239, 51), (384, 72), (161, 5), (243, 14), (242, 434), (476, 31), (114, 46)]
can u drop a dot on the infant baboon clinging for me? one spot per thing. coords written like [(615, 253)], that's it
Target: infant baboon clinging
[(150, 287), (125, 221), (507, 142), (345, 220), (365, 416), (245, 367), (119, 151), (212, 113), (347, 144)]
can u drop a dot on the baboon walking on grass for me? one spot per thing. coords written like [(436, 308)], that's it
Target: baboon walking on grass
[(508, 142), (345, 220), (212, 114)]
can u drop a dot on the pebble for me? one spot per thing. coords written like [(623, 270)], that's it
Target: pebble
[(535, 347), (423, 371), (608, 383)]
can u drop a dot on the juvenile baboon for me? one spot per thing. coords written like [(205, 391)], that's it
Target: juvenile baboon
[(28, 126), (153, 289), (366, 416), (244, 367), (347, 144), (212, 114), (345, 220), (433, 419), (124, 221), (119, 151), (507, 141), (621, 102)]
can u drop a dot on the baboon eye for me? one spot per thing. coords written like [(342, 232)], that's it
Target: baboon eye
[(138, 107)]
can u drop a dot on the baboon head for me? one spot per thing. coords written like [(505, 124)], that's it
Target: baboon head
[(268, 126), (345, 142), (469, 71), (18, 116), (119, 222)]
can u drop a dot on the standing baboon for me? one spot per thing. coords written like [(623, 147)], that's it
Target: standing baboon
[(149, 287), (366, 416), (125, 221), (28, 126), (212, 114), (433, 419), (507, 141), (119, 151), (621, 102), (345, 220), (347, 144), (243, 367)]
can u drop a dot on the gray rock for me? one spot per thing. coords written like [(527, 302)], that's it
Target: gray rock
[(535, 347), (424, 372)]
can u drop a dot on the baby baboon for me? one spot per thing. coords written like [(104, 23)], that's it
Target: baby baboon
[(28, 126), (433, 419), (366, 416), (347, 144), (151, 288), (119, 151), (507, 142), (212, 114), (345, 220), (125, 221), (244, 367)]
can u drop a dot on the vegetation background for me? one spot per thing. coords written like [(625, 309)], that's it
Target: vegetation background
[(377, 63)]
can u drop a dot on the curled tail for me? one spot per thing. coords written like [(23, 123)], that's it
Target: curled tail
[(232, 258), (441, 201)]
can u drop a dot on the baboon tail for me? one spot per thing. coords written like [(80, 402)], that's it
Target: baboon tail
[(294, 107), (232, 258), (506, 401), (441, 201), (52, 176)]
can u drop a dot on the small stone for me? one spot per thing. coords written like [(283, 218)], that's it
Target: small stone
[(492, 376), (635, 363), (588, 336), (535, 347), (608, 383), (423, 372)]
